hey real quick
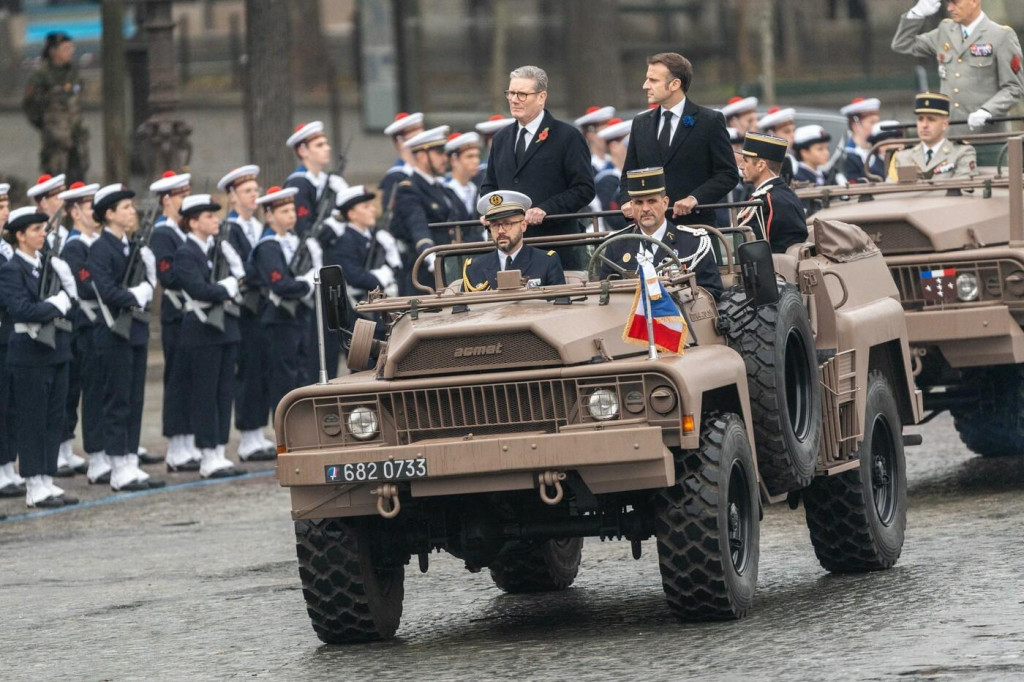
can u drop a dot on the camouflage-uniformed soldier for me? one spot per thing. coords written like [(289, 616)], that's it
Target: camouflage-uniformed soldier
[(52, 104), (979, 61), (935, 157)]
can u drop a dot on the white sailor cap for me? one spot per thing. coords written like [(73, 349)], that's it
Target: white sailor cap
[(403, 121), (194, 204), (304, 132), (502, 203), (350, 196), (20, 218), (805, 136), (595, 116), (171, 183), (735, 136), (615, 130), (108, 197), (435, 137), (276, 197), (739, 105), (4, 189), (46, 185), (776, 117), (457, 141), (861, 106), (493, 124), (78, 190), (238, 176)]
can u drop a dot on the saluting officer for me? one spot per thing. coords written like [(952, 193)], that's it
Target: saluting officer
[(935, 157), (487, 130), (310, 178), (504, 213), (781, 218), (251, 407), (647, 193), (616, 138), (39, 372), (168, 237), (208, 353), (401, 129), (284, 328), (120, 362), (11, 484), (83, 385)]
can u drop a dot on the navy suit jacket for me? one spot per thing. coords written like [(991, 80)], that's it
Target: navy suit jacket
[(530, 261), (19, 290), (164, 244), (555, 172), (104, 269), (192, 267), (700, 161)]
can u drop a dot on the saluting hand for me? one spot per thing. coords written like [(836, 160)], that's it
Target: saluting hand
[(925, 8), (684, 207), (627, 210), (534, 216)]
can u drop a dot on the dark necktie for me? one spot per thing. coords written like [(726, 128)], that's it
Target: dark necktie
[(508, 263), (665, 137), (928, 157), (521, 146)]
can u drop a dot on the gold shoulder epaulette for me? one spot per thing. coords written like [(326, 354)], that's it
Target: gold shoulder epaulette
[(469, 261), (551, 253), (405, 183)]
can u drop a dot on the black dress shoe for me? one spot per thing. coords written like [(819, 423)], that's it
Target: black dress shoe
[(224, 473), (12, 490), (156, 483), (81, 468), (68, 500), (64, 472), (105, 478), (51, 502), (150, 458), (265, 455), (191, 465)]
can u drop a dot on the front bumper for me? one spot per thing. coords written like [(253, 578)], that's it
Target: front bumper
[(975, 336)]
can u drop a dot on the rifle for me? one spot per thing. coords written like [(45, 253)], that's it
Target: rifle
[(50, 284), (221, 269), (134, 273)]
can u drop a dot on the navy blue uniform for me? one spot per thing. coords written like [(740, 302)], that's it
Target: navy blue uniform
[(251, 407), (543, 268), (121, 364), (307, 198), (208, 354), (8, 450), (165, 243), (682, 242), (419, 202), (607, 183), (386, 187), (854, 169), (284, 331), (39, 373), (83, 384), (784, 217)]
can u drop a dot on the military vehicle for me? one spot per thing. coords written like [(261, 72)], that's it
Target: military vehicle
[(505, 426), (956, 251)]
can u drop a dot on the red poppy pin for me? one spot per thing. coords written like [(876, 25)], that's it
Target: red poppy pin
[(275, 276), (83, 275), (165, 265), (1015, 63), (303, 211), (543, 136)]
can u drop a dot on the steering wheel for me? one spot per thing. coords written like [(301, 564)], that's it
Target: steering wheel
[(598, 256)]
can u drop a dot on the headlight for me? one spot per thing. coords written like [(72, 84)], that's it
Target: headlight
[(603, 404), (362, 423), (967, 287)]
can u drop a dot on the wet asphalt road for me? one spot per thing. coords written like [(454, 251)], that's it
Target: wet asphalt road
[(200, 582)]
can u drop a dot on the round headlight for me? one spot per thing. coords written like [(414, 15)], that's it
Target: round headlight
[(362, 423), (967, 287), (603, 404)]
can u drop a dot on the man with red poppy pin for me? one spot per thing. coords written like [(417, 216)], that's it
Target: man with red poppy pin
[(310, 177)]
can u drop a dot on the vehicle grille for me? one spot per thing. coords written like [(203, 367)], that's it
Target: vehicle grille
[(438, 356), (899, 237), (992, 276)]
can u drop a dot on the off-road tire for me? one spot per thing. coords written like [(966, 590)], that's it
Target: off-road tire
[(782, 377), (548, 567), (701, 577), (346, 598), (851, 530), (993, 427)]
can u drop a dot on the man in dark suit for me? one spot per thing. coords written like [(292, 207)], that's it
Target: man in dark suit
[(689, 141), (544, 158), (781, 218)]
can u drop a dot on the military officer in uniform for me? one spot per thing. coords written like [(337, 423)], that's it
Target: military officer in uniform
[(646, 187), (741, 113), (52, 104), (11, 483), (487, 130), (504, 213), (404, 126), (781, 218), (616, 137), (935, 158), (979, 61)]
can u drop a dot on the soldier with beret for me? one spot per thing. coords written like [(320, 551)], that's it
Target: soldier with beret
[(504, 213), (935, 157), (11, 483), (780, 219)]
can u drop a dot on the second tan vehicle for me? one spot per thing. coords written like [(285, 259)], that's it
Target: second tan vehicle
[(505, 426)]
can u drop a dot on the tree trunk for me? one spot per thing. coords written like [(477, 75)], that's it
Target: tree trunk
[(309, 49), (115, 142), (594, 56), (268, 89)]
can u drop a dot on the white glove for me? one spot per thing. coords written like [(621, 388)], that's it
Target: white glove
[(924, 8), (978, 119), (233, 259), (430, 261), (316, 253), (384, 275), (67, 280), (308, 279), (390, 246), (6, 250), (143, 293), (391, 290), (337, 183), (150, 261), (61, 302), (231, 284)]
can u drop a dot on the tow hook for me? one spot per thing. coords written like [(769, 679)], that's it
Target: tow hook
[(551, 479), (389, 492)]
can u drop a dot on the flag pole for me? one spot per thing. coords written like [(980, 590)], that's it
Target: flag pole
[(652, 349)]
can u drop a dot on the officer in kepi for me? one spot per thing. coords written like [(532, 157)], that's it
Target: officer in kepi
[(646, 187), (504, 213), (780, 218), (935, 158)]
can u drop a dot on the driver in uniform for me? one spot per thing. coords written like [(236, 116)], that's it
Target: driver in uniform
[(646, 188)]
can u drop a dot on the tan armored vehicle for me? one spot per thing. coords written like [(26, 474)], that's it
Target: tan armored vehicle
[(505, 426), (956, 251)]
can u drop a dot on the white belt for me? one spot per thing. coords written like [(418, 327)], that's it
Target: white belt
[(30, 328), (89, 308), (174, 297), (193, 305)]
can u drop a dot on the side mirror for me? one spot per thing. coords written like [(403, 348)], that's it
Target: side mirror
[(334, 297), (758, 271)]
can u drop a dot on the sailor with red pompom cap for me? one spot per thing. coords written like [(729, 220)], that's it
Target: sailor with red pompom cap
[(311, 177), (404, 126), (861, 115), (741, 113)]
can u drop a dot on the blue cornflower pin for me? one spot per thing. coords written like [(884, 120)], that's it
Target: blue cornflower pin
[(688, 121)]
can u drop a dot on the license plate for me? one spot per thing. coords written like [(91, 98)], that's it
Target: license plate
[(388, 470)]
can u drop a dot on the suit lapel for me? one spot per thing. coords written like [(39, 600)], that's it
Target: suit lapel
[(682, 132), (535, 141), (973, 39)]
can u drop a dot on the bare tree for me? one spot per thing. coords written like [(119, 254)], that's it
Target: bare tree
[(115, 141), (268, 87)]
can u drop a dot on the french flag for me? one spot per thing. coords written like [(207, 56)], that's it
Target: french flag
[(938, 274), (668, 323)]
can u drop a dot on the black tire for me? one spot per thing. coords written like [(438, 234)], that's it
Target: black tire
[(785, 392), (548, 567), (857, 519), (994, 425), (350, 595), (708, 525)]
